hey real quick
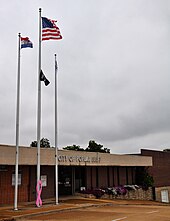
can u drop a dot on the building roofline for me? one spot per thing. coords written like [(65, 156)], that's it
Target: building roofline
[(28, 156)]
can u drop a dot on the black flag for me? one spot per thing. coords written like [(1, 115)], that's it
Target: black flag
[(43, 78)]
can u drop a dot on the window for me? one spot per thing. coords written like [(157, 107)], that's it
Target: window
[(3, 168)]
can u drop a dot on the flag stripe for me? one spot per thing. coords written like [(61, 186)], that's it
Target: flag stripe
[(28, 45), (24, 39), (44, 35), (52, 38), (51, 30), (50, 34)]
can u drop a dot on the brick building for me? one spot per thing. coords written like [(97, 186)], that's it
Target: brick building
[(75, 169), (160, 171)]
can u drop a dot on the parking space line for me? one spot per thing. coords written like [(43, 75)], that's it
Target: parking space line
[(155, 211), (119, 218)]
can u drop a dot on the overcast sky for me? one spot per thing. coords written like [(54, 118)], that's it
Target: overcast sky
[(113, 76)]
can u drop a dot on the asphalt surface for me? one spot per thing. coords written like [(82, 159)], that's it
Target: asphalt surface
[(83, 209)]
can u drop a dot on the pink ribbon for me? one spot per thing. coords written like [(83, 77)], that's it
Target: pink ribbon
[(39, 190)]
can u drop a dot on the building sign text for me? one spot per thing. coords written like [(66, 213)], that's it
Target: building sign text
[(78, 159)]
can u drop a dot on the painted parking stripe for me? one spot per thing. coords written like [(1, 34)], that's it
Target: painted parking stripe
[(119, 218), (156, 211)]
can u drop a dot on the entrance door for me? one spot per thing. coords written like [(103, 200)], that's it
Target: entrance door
[(65, 180), (80, 178)]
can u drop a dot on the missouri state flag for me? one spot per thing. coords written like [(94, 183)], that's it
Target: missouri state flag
[(50, 30), (26, 43)]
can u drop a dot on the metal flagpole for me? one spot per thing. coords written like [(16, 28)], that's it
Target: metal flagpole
[(17, 125), (56, 133), (39, 103)]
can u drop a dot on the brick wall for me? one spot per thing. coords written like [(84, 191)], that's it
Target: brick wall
[(88, 177), (109, 176), (102, 177), (33, 180), (47, 191), (91, 177), (115, 175), (161, 167), (7, 190), (96, 177), (122, 176)]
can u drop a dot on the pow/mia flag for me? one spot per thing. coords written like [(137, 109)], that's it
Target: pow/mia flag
[(43, 78)]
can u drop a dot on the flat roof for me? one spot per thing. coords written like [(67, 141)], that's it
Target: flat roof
[(28, 156)]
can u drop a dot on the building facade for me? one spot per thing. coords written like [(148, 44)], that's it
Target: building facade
[(160, 171), (76, 169)]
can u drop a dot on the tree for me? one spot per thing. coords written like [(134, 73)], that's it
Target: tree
[(33, 144), (94, 147), (143, 177), (73, 147), (44, 142), (166, 150)]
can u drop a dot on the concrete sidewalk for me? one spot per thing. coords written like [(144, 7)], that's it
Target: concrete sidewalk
[(65, 203)]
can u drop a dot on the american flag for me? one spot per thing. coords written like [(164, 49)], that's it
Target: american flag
[(50, 30)]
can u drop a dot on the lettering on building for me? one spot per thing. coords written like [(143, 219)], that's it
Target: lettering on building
[(78, 159)]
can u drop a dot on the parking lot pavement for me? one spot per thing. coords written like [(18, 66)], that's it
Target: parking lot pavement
[(112, 213), (82, 209), (29, 209)]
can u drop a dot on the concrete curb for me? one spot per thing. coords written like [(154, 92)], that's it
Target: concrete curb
[(51, 211)]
